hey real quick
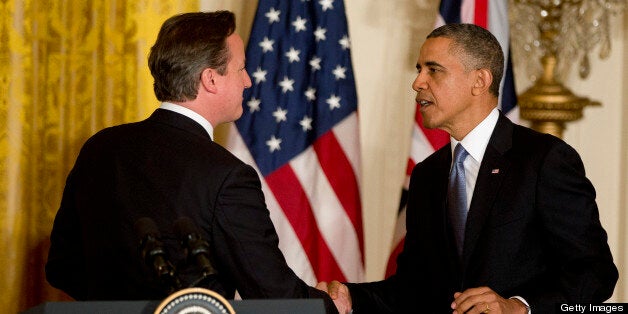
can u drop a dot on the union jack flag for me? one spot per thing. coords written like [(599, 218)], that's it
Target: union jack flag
[(299, 130)]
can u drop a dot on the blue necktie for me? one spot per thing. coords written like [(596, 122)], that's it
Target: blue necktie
[(457, 197)]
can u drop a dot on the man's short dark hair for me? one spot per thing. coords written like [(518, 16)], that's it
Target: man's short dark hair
[(187, 44), (477, 48)]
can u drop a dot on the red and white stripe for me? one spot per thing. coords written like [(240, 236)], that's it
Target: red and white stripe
[(314, 203)]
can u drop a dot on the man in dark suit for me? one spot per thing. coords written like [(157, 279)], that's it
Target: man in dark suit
[(531, 238), (165, 168)]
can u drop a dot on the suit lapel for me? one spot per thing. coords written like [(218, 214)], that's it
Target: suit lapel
[(491, 174)]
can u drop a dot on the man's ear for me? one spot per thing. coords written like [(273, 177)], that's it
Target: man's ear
[(208, 80), (483, 81)]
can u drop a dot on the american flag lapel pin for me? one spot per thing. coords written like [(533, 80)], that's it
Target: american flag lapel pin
[(495, 171)]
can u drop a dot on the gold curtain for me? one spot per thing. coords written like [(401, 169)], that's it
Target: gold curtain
[(68, 68)]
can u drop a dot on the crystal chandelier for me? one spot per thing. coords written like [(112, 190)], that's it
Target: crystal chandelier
[(567, 29), (558, 33)]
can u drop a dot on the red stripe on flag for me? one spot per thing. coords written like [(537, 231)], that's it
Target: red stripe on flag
[(340, 175), (296, 207), (410, 166), (481, 13), (392, 261), (437, 138)]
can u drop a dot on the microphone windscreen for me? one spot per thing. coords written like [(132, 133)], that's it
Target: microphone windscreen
[(145, 226), (184, 226)]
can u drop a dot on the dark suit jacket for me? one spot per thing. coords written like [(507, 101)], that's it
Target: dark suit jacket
[(533, 231), (163, 168)]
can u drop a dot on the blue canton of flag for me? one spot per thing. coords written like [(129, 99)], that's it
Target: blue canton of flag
[(298, 58)]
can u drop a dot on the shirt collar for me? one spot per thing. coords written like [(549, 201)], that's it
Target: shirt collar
[(190, 114), (476, 141)]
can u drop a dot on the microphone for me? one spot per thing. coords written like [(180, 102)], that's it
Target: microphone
[(154, 254), (197, 248)]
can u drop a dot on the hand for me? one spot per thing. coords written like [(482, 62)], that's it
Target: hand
[(485, 300), (339, 293)]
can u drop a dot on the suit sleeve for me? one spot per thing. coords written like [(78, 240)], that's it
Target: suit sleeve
[(65, 268), (246, 243), (576, 238), (405, 291), (374, 297)]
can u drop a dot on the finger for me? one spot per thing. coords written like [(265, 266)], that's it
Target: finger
[(459, 297), (334, 288), (322, 286), (483, 307), (342, 299), (471, 299), (342, 306), (476, 291), (477, 308)]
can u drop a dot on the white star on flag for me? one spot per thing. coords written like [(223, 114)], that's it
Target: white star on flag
[(310, 93), (319, 33), (293, 55), (253, 104), (286, 84), (333, 101), (280, 114), (259, 75), (273, 15), (274, 144), (306, 123), (326, 4), (299, 24), (344, 42), (267, 44), (315, 63), (339, 72)]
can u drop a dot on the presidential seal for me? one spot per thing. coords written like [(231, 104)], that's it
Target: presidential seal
[(194, 301)]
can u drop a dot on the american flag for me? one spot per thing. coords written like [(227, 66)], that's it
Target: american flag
[(492, 15), (299, 130)]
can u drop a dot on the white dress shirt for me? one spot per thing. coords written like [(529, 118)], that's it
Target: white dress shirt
[(190, 114), (475, 144)]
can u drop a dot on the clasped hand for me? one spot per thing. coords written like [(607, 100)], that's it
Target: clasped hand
[(485, 300), (339, 293), (471, 301)]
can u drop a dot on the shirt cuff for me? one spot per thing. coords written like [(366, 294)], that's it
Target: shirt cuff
[(524, 303)]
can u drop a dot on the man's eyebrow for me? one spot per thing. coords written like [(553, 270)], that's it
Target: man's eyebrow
[(429, 64), (433, 64)]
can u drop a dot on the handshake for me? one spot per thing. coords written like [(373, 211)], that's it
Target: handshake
[(339, 293)]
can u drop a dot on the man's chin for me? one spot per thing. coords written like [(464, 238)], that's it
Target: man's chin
[(238, 114), (427, 122)]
